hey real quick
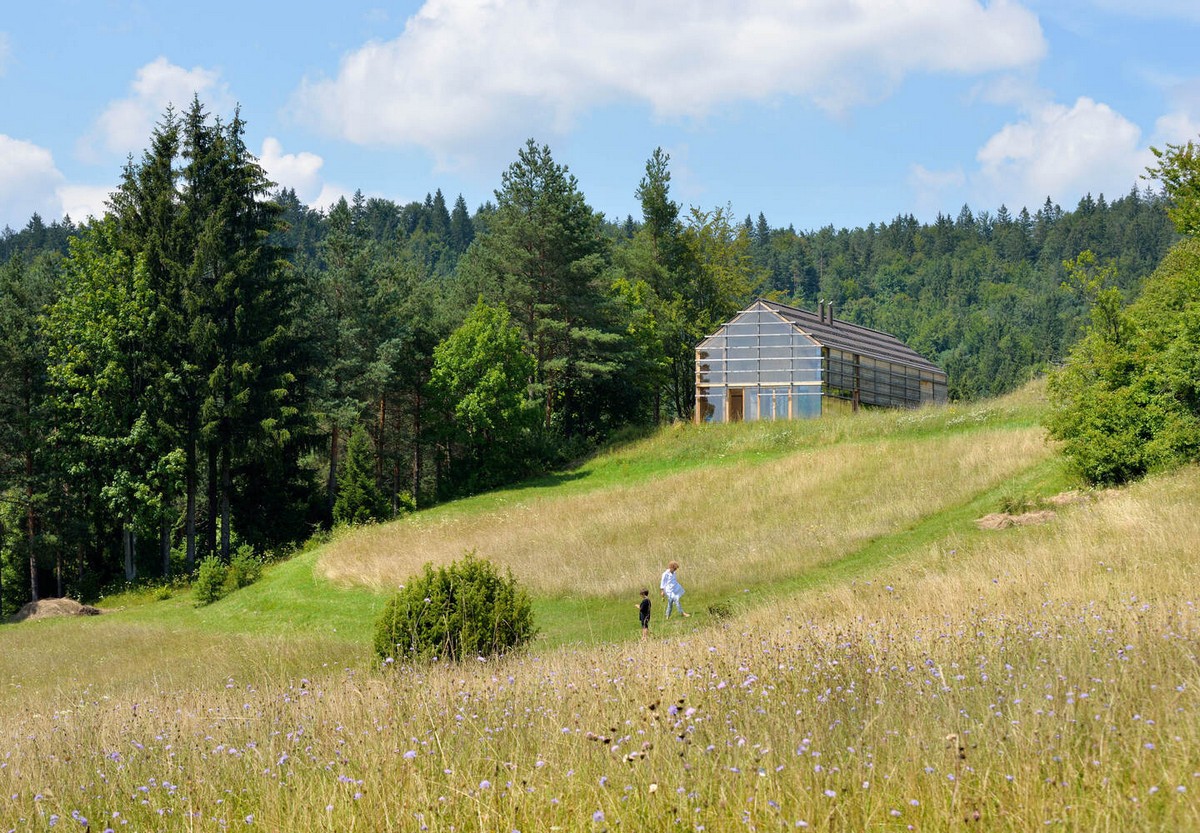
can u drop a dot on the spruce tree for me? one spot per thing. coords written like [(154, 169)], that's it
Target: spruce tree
[(359, 499)]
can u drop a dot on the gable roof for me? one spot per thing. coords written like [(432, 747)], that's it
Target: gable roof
[(853, 338)]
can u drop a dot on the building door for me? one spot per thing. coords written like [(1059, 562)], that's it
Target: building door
[(737, 406)]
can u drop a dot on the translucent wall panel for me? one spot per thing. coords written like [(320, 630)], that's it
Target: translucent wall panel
[(710, 405)]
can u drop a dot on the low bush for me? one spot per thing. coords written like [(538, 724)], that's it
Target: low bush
[(467, 609), (245, 568), (210, 581)]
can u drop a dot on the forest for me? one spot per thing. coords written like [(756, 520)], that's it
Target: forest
[(213, 365)]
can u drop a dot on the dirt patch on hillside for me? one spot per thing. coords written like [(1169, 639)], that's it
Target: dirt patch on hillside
[(45, 608), (1004, 520)]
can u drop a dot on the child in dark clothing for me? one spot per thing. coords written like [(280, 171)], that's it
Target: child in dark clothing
[(644, 613)]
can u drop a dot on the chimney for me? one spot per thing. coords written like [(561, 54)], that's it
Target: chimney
[(821, 310), (829, 306)]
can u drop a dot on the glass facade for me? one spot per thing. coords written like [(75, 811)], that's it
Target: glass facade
[(762, 366), (869, 381), (758, 367)]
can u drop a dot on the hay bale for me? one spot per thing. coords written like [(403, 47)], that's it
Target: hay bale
[(46, 608)]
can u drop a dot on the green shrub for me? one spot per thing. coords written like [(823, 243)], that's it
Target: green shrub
[(720, 610), (1018, 503), (245, 568), (210, 581), (467, 609)]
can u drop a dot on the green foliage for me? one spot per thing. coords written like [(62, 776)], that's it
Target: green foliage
[(359, 499), (1018, 502), (1178, 169), (1128, 400), (480, 377), (465, 610), (720, 610), (245, 568), (544, 255), (215, 579), (209, 585)]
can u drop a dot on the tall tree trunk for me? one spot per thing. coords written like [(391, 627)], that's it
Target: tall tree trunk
[(226, 491), (30, 527), (381, 424), (127, 541), (416, 459), (331, 483), (164, 542), (211, 532), (190, 521)]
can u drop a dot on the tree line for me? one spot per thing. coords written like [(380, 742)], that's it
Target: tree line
[(212, 363)]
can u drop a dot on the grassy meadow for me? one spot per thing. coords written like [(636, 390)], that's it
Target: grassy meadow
[(861, 656)]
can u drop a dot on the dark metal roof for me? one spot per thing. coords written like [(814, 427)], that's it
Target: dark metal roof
[(853, 338)]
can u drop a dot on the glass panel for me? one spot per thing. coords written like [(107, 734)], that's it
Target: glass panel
[(710, 405), (751, 395), (806, 404), (776, 340), (779, 400)]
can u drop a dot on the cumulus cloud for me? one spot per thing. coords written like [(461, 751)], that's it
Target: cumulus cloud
[(81, 202), (126, 123), (1061, 152), (300, 172), (29, 180), (466, 70)]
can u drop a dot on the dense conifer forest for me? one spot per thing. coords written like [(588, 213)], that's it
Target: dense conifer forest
[(213, 364)]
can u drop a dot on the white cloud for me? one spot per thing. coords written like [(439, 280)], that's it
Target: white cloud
[(469, 70), (1176, 128), (28, 182), (1061, 152), (302, 173), (126, 124), (299, 171), (329, 196), (80, 202), (5, 53)]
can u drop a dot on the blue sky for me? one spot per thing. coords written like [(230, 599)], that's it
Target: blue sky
[(813, 112)]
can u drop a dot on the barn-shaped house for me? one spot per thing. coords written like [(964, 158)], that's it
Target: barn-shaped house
[(773, 361)]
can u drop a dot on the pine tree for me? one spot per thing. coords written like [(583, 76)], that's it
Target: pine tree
[(359, 500), (543, 256), (462, 230), (25, 290)]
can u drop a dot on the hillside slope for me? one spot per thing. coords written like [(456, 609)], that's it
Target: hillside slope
[(749, 510), (904, 669)]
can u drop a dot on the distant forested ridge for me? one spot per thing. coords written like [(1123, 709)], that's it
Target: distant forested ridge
[(215, 364)]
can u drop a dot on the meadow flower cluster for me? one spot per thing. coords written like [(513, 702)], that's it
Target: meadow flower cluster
[(1065, 714), (1035, 678)]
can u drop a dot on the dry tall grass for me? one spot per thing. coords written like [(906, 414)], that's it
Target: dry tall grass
[(1046, 677), (732, 525), (1023, 679)]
